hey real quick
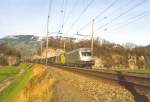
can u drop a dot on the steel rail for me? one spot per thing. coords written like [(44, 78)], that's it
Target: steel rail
[(137, 80)]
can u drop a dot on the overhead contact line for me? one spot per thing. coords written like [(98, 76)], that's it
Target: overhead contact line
[(123, 13)]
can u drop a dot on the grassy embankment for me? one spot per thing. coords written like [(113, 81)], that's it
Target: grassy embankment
[(7, 71), (8, 93), (33, 85), (39, 88)]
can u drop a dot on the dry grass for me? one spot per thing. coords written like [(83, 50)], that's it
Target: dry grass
[(39, 88)]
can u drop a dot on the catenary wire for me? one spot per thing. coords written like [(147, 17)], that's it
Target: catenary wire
[(122, 14), (78, 18), (99, 14)]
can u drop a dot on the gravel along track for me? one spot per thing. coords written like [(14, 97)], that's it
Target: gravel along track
[(73, 87)]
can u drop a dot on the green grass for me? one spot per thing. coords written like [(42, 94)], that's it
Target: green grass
[(7, 71), (2, 77), (8, 94), (24, 65)]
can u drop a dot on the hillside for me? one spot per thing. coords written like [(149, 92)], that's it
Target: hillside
[(9, 56), (109, 54), (26, 44)]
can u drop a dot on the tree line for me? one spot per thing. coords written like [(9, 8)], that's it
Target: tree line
[(111, 54), (9, 56)]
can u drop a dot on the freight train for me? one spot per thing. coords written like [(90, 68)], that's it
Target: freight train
[(81, 57)]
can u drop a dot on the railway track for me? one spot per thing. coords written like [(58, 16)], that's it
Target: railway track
[(138, 79), (139, 82)]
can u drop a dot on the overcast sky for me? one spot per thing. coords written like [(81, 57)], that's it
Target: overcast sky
[(124, 21)]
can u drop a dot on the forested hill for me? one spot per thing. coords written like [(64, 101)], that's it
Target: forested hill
[(26, 44), (110, 54)]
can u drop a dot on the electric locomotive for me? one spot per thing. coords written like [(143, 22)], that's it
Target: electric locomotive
[(80, 57)]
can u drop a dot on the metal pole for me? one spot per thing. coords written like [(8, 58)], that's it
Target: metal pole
[(62, 26), (92, 40), (41, 50), (50, 3), (64, 45), (41, 47), (47, 39)]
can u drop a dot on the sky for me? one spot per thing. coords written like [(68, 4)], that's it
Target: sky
[(118, 21)]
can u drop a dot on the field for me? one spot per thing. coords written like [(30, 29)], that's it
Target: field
[(8, 71), (24, 87), (17, 84)]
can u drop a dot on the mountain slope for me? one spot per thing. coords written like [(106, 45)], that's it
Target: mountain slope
[(26, 44)]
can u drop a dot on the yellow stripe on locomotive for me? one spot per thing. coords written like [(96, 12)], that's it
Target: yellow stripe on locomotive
[(62, 58)]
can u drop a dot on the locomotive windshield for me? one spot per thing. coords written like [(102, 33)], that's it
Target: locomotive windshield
[(86, 53)]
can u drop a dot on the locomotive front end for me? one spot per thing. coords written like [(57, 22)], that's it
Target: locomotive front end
[(86, 58)]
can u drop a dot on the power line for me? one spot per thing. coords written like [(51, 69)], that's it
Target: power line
[(84, 10), (63, 13), (113, 13), (122, 14), (100, 14), (71, 11), (131, 19), (62, 16), (50, 7), (65, 10), (105, 10), (48, 19), (84, 26), (49, 15), (134, 20)]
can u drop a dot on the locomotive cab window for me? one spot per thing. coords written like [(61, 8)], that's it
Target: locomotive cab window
[(86, 53)]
